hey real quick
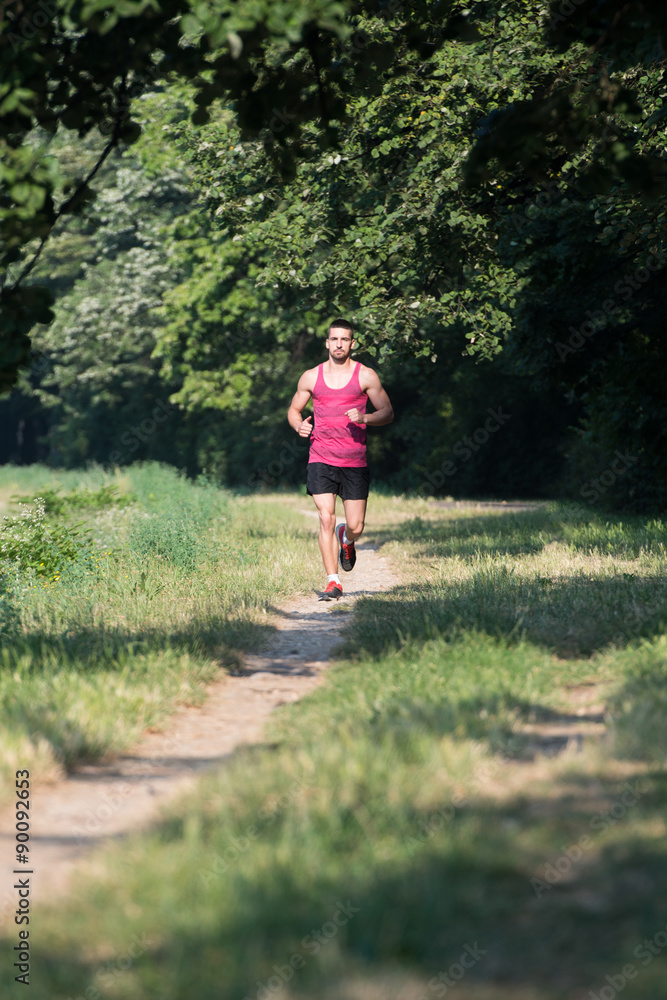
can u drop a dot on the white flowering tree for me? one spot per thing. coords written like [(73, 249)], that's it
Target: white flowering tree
[(94, 371)]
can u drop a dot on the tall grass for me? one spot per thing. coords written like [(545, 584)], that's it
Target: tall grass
[(166, 592), (399, 820)]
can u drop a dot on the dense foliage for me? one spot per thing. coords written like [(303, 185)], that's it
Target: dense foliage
[(483, 179)]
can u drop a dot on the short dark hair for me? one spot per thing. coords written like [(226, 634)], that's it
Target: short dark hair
[(341, 324)]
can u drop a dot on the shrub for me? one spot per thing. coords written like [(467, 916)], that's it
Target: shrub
[(29, 543), (175, 540), (9, 614), (55, 502)]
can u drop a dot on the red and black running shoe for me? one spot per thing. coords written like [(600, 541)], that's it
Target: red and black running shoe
[(333, 592), (347, 557)]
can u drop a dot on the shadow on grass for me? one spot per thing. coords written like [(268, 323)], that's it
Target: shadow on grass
[(572, 616), (77, 691), (92, 649), (525, 532), (462, 889), (491, 717), (501, 534)]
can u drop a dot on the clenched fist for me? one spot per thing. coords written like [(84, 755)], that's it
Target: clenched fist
[(356, 416), (305, 428)]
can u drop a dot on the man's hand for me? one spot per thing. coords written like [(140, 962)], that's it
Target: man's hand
[(356, 416), (305, 429)]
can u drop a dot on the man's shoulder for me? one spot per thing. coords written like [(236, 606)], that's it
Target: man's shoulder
[(367, 376), (309, 377)]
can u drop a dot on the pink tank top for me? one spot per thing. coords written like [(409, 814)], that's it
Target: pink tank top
[(335, 439)]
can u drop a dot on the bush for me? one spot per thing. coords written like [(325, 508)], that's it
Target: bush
[(55, 502), (31, 544), (9, 614), (172, 539)]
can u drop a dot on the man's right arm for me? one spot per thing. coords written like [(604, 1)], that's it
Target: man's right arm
[(301, 397)]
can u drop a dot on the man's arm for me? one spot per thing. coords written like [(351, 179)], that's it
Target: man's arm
[(384, 411), (304, 392)]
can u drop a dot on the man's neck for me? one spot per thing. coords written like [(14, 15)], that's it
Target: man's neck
[(338, 364)]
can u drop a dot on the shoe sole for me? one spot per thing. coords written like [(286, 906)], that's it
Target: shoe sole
[(331, 597), (351, 562)]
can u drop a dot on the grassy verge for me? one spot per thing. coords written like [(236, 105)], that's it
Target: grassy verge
[(397, 840), (171, 581)]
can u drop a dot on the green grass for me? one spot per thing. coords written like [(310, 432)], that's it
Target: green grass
[(177, 583), (405, 790), (570, 587)]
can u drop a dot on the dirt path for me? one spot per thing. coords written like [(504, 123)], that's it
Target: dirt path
[(101, 802)]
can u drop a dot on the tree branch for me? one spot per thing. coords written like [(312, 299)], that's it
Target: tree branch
[(311, 43), (121, 114)]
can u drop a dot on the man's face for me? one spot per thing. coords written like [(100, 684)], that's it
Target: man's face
[(339, 343)]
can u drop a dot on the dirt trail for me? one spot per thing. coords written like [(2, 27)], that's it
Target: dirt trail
[(104, 801)]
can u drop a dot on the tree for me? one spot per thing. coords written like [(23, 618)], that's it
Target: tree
[(580, 222), (80, 65), (94, 373), (456, 178)]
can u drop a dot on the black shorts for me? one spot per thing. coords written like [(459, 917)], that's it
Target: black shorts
[(349, 484)]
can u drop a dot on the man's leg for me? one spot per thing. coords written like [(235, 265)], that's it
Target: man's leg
[(326, 508), (355, 516), (347, 534), (354, 494)]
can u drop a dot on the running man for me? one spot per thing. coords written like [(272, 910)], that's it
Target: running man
[(340, 389)]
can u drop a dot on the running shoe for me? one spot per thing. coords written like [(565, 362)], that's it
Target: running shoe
[(347, 557), (333, 592)]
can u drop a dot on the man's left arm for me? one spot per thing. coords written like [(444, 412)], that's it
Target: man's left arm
[(384, 411)]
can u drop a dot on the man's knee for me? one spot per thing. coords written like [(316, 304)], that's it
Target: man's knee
[(327, 520), (356, 527)]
